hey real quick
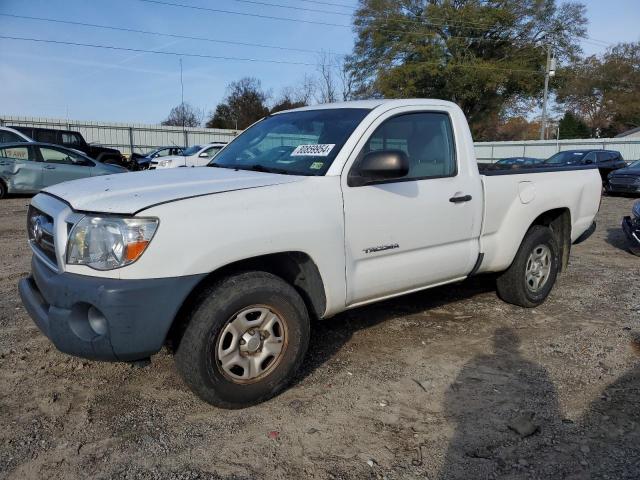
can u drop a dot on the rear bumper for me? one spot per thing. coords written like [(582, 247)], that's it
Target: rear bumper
[(633, 234), (134, 315)]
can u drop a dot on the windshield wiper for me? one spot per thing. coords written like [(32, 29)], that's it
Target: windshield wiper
[(261, 168), (257, 168)]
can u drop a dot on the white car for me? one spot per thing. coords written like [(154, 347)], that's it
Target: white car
[(194, 156), (306, 214), (9, 135)]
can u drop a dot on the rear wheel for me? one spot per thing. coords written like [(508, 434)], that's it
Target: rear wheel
[(244, 341), (531, 276), (3, 189)]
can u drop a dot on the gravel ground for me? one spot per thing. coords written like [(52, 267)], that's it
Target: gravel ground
[(447, 383)]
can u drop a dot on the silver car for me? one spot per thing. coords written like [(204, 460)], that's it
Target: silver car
[(30, 167)]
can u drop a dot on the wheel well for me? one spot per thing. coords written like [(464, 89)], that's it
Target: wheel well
[(295, 268), (559, 221)]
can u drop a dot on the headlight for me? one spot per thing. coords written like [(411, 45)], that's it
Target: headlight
[(105, 243), (164, 163)]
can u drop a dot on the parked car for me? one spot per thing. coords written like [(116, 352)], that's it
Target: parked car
[(625, 180), (631, 227), (28, 167), (306, 214), (606, 160), (75, 140), (519, 161), (9, 135), (194, 156), (144, 161)]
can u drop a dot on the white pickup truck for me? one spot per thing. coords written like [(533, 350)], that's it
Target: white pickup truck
[(306, 214)]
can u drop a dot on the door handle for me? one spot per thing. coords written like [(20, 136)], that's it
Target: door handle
[(49, 167), (464, 198)]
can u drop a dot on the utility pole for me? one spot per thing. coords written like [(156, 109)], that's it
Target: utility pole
[(550, 71)]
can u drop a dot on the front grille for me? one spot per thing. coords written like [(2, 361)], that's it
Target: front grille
[(40, 230), (623, 180)]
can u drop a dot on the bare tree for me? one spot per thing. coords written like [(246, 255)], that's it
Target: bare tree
[(327, 91), (305, 90), (184, 115), (347, 81)]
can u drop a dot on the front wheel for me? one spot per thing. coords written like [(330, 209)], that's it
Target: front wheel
[(531, 276), (245, 340)]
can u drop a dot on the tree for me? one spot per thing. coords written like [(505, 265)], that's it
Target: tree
[(244, 104), (479, 54), (327, 91), (603, 90), (183, 115), (573, 127), (517, 128), (296, 96)]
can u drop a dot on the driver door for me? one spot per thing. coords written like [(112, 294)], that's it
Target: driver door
[(419, 230), (61, 165)]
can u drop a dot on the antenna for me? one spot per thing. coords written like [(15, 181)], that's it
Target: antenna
[(184, 131)]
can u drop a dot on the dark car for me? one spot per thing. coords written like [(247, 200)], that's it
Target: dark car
[(145, 159), (631, 227), (519, 161), (606, 160), (625, 180), (75, 140)]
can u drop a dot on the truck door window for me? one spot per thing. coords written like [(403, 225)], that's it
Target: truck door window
[(71, 139), (426, 138), (44, 136)]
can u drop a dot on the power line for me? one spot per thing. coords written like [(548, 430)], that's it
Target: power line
[(245, 59), (313, 22), (245, 14), (164, 34), (318, 2), (291, 7), (213, 40), (158, 52)]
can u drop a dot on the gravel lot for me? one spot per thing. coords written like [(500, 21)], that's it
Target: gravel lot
[(448, 383)]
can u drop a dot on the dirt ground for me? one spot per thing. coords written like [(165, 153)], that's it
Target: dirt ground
[(432, 385)]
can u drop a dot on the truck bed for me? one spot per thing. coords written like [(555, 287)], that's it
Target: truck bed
[(515, 196)]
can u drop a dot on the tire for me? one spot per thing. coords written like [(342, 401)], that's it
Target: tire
[(214, 333), (3, 189), (528, 284)]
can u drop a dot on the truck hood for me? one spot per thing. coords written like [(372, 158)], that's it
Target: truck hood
[(131, 192)]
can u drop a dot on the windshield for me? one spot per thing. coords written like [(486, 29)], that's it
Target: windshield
[(191, 150), (296, 143), (565, 157), (635, 165)]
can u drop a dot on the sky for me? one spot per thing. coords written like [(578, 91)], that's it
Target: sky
[(82, 83)]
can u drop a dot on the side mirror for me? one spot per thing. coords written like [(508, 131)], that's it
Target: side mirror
[(204, 155), (379, 166), (588, 161)]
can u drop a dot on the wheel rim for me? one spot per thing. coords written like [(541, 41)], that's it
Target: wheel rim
[(251, 344), (538, 268)]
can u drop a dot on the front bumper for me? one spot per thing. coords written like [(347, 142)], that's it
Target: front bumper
[(137, 313), (622, 188), (633, 234)]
